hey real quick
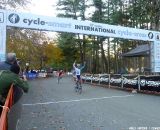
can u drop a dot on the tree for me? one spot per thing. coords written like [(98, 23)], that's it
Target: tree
[(4, 4), (143, 14), (68, 44), (25, 43), (74, 9), (53, 54)]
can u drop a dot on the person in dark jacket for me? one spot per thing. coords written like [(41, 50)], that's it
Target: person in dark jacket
[(7, 78), (9, 74), (15, 68)]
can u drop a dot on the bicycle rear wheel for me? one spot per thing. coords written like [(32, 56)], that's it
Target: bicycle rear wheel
[(79, 88), (76, 86), (58, 80)]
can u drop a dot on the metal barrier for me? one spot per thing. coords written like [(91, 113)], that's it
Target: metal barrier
[(5, 110), (128, 81)]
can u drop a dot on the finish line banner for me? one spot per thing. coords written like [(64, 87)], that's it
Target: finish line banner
[(26, 20), (31, 21)]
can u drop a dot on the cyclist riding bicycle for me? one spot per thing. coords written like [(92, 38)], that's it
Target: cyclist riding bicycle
[(60, 73), (78, 70)]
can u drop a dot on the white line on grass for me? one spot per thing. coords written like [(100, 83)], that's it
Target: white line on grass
[(56, 102)]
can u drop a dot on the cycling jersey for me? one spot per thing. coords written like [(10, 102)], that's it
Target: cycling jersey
[(78, 71)]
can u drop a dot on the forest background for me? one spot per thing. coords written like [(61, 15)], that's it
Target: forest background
[(102, 54)]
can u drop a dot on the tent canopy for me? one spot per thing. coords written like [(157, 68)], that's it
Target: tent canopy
[(141, 50)]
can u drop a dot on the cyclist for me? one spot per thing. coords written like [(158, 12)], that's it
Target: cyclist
[(78, 69), (60, 75)]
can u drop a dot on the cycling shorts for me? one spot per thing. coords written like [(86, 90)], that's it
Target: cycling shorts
[(78, 77)]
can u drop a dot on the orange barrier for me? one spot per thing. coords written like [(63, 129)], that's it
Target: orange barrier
[(6, 107)]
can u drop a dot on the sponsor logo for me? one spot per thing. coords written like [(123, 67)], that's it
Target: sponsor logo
[(150, 35), (157, 37), (37, 21), (13, 18)]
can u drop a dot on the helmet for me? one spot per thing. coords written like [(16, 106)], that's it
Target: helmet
[(78, 65), (11, 57)]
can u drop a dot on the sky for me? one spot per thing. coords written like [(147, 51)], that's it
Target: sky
[(42, 7)]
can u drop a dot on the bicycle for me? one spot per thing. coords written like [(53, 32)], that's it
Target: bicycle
[(59, 78), (78, 87)]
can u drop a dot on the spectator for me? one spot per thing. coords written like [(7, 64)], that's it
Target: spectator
[(11, 63), (9, 74), (6, 79), (10, 60)]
